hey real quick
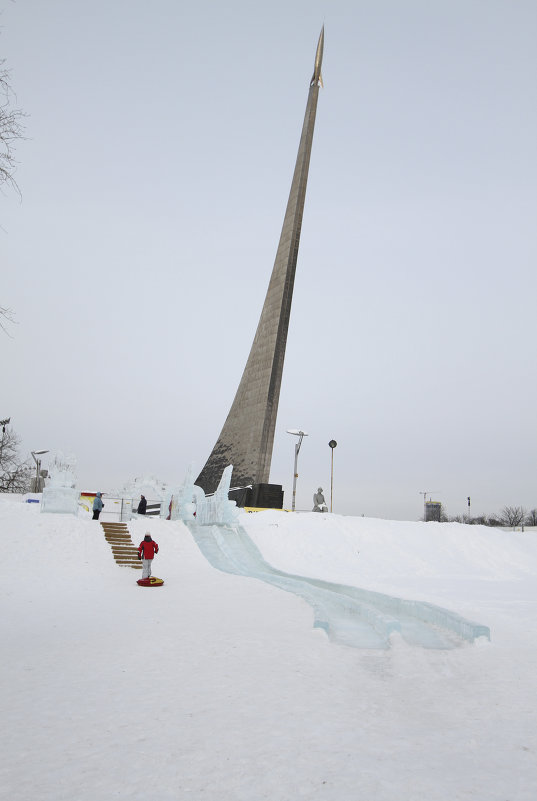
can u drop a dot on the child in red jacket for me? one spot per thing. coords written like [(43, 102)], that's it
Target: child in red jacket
[(146, 551)]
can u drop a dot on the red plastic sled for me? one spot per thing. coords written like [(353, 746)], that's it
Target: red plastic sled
[(152, 581)]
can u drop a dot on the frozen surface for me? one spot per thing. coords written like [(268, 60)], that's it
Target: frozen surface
[(349, 615)]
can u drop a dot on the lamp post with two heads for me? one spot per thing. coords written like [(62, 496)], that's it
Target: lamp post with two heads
[(300, 434)]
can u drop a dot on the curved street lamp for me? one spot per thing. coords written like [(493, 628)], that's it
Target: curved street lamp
[(300, 434)]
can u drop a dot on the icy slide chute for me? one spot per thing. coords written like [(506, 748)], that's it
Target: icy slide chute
[(349, 615)]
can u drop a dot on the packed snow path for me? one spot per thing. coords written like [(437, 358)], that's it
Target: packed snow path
[(349, 615)]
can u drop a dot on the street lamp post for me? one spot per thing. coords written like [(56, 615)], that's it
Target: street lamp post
[(300, 435), (37, 468), (332, 444)]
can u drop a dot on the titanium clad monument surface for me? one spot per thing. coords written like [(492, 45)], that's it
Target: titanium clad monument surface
[(247, 438)]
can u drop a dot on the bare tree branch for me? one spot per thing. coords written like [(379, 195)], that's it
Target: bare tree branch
[(512, 515), (531, 518), (11, 129), (15, 476), (7, 316)]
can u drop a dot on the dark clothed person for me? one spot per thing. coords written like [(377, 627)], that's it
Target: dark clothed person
[(142, 506)]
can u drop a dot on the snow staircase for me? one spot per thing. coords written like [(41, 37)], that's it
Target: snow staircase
[(123, 549)]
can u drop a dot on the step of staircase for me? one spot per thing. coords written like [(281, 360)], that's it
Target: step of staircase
[(108, 523), (124, 548), (115, 528)]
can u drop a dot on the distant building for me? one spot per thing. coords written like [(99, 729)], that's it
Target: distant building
[(433, 511)]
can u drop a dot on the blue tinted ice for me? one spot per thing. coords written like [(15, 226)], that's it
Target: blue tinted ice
[(349, 615)]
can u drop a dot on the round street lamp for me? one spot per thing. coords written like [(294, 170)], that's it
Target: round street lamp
[(332, 444)]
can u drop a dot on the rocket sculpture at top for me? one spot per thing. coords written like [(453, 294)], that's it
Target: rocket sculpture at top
[(247, 437), (317, 78)]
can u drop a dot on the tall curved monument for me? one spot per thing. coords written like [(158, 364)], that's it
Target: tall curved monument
[(247, 438)]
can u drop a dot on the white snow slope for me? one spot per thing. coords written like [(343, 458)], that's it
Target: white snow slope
[(217, 687)]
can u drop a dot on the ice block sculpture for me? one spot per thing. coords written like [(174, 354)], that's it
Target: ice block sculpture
[(216, 508), (60, 496), (180, 502), (190, 504)]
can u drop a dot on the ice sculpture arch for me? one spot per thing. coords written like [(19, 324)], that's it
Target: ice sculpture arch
[(189, 502)]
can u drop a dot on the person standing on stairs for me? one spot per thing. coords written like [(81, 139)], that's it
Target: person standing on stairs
[(146, 552)]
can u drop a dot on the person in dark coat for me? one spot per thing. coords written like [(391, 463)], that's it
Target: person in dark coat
[(97, 505), (146, 552), (142, 505)]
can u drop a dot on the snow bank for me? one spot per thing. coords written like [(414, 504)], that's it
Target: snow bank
[(216, 686)]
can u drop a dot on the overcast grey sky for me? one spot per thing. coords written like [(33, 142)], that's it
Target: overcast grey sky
[(161, 142)]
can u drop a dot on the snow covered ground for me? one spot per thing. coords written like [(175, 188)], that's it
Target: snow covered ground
[(218, 687)]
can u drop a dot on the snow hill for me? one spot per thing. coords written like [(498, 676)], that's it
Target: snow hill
[(218, 687)]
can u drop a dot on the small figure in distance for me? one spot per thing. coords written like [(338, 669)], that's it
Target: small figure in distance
[(142, 505), (146, 552), (97, 505), (319, 503)]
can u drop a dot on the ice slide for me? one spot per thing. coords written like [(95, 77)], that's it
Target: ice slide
[(349, 615)]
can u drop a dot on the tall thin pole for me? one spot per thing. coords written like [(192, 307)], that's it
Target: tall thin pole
[(332, 444), (295, 475), (332, 479), (300, 435)]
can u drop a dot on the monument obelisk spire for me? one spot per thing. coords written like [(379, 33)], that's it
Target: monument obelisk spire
[(247, 438)]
